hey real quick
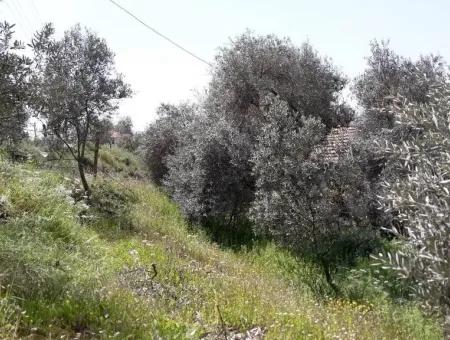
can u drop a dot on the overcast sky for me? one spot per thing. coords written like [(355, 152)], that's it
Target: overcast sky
[(159, 72)]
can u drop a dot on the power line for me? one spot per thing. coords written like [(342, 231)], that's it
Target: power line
[(22, 18), (25, 16), (15, 18), (160, 34), (38, 15)]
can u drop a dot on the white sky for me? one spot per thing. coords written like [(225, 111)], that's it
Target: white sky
[(159, 72)]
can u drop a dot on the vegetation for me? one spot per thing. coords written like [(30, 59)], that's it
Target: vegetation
[(421, 198), (162, 137), (75, 87), (388, 75), (90, 277), (257, 211), (253, 67), (14, 73), (315, 208)]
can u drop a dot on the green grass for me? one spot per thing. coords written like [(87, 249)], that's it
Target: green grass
[(61, 276), (113, 161), (119, 161)]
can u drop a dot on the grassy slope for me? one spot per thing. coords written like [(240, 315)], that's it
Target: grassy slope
[(112, 160), (60, 278)]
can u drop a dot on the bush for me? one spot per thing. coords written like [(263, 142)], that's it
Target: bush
[(112, 201)]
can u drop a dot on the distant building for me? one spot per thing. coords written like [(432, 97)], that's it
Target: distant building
[(118, 138)]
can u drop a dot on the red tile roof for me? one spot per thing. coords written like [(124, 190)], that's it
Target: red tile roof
[(336, 144)]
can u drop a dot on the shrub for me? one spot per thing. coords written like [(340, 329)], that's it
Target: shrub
[(112, 201)]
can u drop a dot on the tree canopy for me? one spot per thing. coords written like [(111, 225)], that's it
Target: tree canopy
[(419, 191), (75, 86), (15, 71), (388, 75), (253, 67)]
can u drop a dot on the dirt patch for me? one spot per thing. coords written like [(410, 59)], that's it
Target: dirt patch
[(141, 281), (256, 333)]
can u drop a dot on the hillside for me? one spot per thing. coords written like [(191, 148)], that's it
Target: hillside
[(68, 270)]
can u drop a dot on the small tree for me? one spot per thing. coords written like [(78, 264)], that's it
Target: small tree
[(125, 126), (14, 91), (162, 137), (76, 87), (419, 191), (125, 129)]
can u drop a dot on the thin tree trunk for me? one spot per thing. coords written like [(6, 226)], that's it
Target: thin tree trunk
[(83, 176), (96, 152), (81, 160), (326, 269)]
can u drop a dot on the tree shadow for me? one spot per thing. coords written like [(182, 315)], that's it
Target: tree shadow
[(235, 236)]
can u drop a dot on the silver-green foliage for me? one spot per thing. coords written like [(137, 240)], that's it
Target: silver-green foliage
[(210, 173), (420, 196), (280, 167), (161, 138), (388, 75), (314, 207), (75, 86), (253, 66), (14, 92), (209, 168)]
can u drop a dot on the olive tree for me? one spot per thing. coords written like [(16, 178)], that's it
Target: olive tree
[(314, 207), (419, 191), (124, 127), (14, 90), (161, 138), (253, 67), (388, 75), (76, 87), (209, 173)]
